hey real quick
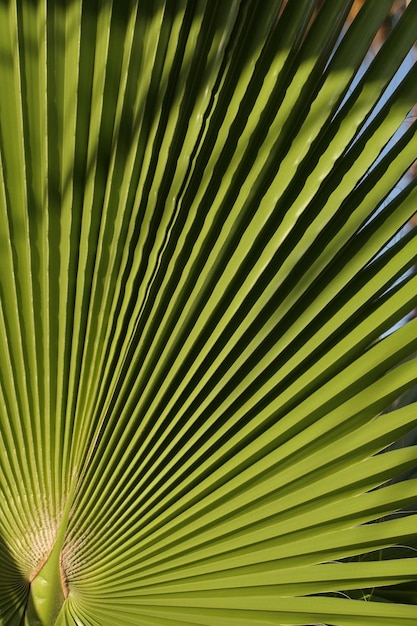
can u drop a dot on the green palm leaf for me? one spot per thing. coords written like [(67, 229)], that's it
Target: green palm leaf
[(196, 294)]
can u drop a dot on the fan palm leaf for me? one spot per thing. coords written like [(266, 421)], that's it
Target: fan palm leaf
[(201, 205)]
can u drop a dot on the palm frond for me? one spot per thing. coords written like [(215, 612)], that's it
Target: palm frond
[(201, 268)]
